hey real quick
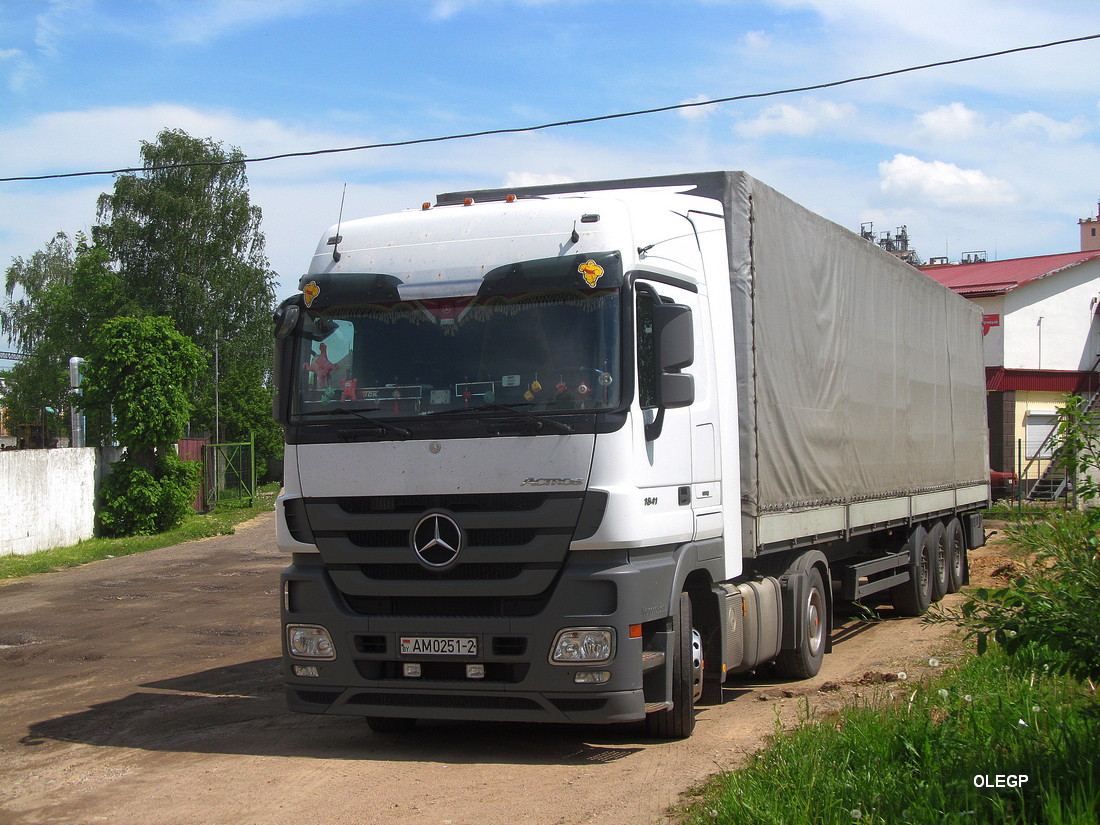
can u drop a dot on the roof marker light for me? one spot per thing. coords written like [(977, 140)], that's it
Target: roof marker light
[(468, 202), (425, 206), (509, 198)]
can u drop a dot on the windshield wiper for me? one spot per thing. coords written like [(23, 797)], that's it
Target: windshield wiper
[(380, 424), (512, 409)]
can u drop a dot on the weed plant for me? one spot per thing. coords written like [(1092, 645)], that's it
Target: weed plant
[(1049, 616), (948, 750)]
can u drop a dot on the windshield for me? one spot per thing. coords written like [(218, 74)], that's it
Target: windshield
[(543, 336)]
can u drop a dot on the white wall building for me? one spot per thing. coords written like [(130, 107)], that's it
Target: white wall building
[(1042, 341)]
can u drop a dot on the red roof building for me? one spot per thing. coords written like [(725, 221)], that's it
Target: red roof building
[(1042, 341)]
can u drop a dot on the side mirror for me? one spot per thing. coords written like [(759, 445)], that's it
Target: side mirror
[(675, 339), (674, 344)]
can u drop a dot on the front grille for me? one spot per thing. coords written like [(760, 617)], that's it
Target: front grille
[(317, 697), (509, 645), (500, 672), (379, 538), (514, 545), (470, 607), (576, 705), (370, 644), (461, 572), (440, 700), (476, 503), (476, 538)]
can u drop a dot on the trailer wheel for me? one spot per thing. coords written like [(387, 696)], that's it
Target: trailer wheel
[(805, 660), (956, 556), (678, 721), (912, 598), (941, 568), (390, 724)]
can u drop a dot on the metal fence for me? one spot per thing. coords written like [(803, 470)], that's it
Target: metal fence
[(229, 473)]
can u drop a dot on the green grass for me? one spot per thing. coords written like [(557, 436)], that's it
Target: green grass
[(1012, 510), (914, 758), (219, 522)]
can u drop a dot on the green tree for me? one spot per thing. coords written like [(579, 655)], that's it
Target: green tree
[(1077, 447), (188, 244), (64, 295), (145, 371)]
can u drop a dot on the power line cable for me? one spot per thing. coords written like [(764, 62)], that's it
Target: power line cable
[(572, 122)]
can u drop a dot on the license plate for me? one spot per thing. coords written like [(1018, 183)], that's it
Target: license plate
[(438, 646)]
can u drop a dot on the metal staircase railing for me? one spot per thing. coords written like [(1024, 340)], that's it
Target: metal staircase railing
[(1053, 482)]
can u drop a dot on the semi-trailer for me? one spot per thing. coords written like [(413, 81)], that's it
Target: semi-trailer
[(584, 452)]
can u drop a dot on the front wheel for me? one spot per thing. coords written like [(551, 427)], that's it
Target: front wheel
[(678, 721), (805, 660)]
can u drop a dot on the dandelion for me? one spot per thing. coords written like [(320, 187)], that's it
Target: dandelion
[(902, 676), (968, 698), (713, 814), (933, 662), (857, 814), (942, 692), (1036, 709)]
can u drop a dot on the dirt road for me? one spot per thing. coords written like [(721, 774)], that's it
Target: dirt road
[(146, 689)]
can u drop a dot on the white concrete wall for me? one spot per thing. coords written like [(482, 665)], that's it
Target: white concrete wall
[(993, 331), (48, 498), (1067, 336)]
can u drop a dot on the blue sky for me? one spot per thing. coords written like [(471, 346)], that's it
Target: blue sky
[(1001, 155)]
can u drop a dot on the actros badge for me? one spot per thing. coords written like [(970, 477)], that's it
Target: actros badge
[(437, 540)]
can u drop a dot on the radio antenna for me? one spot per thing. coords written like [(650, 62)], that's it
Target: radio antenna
[(335, 240)]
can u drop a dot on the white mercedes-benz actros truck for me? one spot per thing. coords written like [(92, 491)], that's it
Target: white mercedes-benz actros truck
[(584, 452)]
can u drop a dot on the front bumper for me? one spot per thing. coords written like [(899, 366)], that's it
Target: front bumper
[(594, 589)]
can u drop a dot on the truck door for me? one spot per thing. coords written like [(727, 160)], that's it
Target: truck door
[(669, 441)]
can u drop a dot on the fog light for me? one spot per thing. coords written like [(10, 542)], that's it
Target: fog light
[(475, 671), (583, 644), (411, 670), (309, 641), (592, 677), (306, 670)]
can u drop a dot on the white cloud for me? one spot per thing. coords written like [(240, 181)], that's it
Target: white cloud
[(53, 25), (951, 122), (1040, 125), (446, 9), (520, 179), (801, 120), (942, 184), (110, 137), (22, 70), (199, 21), (696, 112)]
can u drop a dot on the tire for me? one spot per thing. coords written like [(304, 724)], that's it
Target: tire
[(390, 724), (956, 556), (913, 597), (941, 570), (678, 721), (805, 660)]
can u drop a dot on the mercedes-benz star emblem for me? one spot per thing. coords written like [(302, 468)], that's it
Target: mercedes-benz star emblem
[(437, 540)]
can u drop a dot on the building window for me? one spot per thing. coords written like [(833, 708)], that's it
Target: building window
[(1039, 426)]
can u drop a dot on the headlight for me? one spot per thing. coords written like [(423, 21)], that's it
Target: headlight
[(309, 641), (583, 645)]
